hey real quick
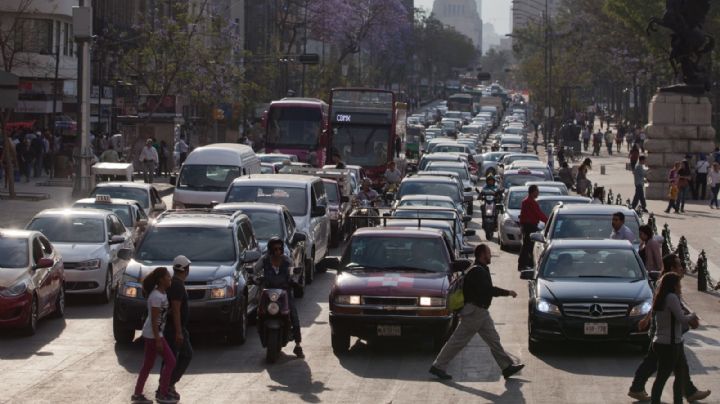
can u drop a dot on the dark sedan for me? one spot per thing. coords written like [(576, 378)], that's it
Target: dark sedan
[(587, 290)]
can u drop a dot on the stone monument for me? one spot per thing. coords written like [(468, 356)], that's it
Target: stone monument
[(680, 116)]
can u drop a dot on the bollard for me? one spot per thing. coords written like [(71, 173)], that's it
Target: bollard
[(610, 197), (682, 253), (666, 244), (702, 272), (618, 200), (602, 169), (652, 223)]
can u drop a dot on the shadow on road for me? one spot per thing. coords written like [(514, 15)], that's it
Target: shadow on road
[(599, 359), (16, 346), (512, 393), (85, 307), (294, 376)]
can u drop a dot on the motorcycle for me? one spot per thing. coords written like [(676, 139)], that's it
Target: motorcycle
[(273, 318), (490, 211), (389, 195), (363, 208)]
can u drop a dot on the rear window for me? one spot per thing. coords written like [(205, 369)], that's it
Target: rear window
[(293, 198), (595, 227), (134, 194), (430, 188)]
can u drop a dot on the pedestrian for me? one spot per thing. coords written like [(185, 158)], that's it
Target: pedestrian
[(530, 217), (649, 365), (701, 175), (619, 136), (478, 292), (673, 187), (597, 143), (683, 184), (550, 156), (36, 147), (620, 230), (714, 180), (154, 288), (716, 155), (629, 139), (163, 154), (639, 173), (565, 174), (178, 337), (398, 146), (148, 160), (609, 139), (668, 341), (25, 158), (650, 250), (643, 137), (110, 155), (582, 183), (586, 138)]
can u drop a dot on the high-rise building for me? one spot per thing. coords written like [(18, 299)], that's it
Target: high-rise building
[(463, 16), (525, 12)]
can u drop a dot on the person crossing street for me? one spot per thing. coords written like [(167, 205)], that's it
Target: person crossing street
[(148, 159), (478, 291)]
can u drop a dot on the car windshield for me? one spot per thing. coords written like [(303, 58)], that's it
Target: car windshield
[(393, 253), (427, 202), (460, 171), (13, 252), (123, 212), (450, 149), (292, 198), (596, 227), (362, 145), (331, 190), (69, 229), (198, 244), (515, 198), (512, 180), (211, 178), (266, 224), (547, 205), (430, 188), (134, 194), (591, 263)]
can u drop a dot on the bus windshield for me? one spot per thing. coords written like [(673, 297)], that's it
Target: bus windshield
[(295, 127), (364, 145)]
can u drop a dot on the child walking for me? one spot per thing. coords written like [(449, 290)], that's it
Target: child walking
[(154, 287)]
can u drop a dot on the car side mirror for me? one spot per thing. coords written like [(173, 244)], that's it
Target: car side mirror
[(44, 263), (331, 262), (251, 256), (469, 233), (318, 211), (173, 180), (528, 275), (344, 199), (125, 254), (538, 237), (117, 240), (298, 237), (541, 226), (460, 265)]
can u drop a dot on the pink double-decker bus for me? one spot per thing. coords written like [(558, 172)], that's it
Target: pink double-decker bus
[(298, 126)]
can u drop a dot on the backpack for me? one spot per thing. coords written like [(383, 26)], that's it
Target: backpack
[(456, 296)]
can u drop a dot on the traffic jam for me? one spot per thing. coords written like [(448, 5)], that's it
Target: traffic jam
[(393, 203)]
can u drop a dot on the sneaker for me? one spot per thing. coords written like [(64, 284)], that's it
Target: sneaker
[(698, 395), (140, 399), (639, 395), (173, 393), (441, 374), (299, 352), (166, 399), (512, 369)]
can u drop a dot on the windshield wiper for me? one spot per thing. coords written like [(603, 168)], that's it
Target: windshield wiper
[(601, 276), (407, 268)]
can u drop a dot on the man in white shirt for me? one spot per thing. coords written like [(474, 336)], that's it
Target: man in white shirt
[(148, 160), (701, 175), (620, 231)]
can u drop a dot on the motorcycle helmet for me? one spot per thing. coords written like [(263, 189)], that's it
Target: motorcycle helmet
[(275, 240), (490, 177)]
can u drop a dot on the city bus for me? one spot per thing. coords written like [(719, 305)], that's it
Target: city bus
[(297, 126), (461, 102), (362, 126)]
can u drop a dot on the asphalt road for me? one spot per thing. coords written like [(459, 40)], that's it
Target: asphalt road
[(75, 360)]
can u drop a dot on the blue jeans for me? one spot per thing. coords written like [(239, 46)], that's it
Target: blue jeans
[(714, 195), (682, 195)]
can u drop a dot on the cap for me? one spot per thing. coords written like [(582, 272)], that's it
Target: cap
[(181, 262)]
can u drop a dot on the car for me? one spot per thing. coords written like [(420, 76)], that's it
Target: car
[(146, 194), (556, 184), (270, 168), (356, 171), (435, 185), (513, 144), (513, 157), (548, 202), (428, 200), (490, 161), (428, 158), (89, 241), (393, 283), (513, 177), (130, 212), (32, 280), (221, 246), (434, 142), (591, 221), (276, 157), (461, 169), (270, 220), (587, 290), (427, 215), (338, 210), (305, 198), (509, 233), (532, 165)]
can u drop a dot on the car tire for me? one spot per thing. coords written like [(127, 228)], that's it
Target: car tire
[(273, 346), (59, 311), (309, 270), (340, 343), (106, 295), (122, 332), (31, 327), (237, 330)]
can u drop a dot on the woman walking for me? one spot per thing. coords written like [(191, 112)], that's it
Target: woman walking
[(582, 184), (673, 188), (155, 286), (714, 180), (684, 175), (668, 341), (650, 250)]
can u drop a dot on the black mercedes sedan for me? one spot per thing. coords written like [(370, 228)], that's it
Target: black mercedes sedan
[(587, 290)]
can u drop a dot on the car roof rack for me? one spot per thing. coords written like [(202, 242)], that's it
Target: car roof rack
[(382, 221), (232, 216)]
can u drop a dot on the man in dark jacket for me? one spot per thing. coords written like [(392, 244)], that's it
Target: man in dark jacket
[(478, 291), (176, 333)]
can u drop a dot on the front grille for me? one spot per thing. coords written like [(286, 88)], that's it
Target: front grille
[(373, 312), (70, 286), (196, 294), (70, 265), (196, 290), (390, 301), (595, 310)]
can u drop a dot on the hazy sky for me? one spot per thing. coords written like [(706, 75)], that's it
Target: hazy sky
[(496, 12)]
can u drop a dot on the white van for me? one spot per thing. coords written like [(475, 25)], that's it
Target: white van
[(208, 171)]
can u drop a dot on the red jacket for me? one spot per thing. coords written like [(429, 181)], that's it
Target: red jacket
[(530, 212)]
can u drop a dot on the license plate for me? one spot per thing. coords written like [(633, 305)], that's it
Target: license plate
[(596, 329), (388, 331)]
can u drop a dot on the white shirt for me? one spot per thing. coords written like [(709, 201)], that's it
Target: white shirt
[(702, 166), (148, 154), (714, 177), (624, 233), (156, 299), (182, 147)]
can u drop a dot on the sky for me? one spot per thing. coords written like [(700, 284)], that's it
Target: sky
[(496, 12)]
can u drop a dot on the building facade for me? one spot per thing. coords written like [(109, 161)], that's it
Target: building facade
[(463, 16)]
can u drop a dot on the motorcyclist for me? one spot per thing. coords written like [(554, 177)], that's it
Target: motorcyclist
[(366, 193), (490, 185), (276, 269), (392, 175)]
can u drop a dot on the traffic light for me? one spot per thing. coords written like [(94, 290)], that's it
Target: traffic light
[(218, 114)]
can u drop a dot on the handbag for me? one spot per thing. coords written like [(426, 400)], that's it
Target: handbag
[(456, 296)]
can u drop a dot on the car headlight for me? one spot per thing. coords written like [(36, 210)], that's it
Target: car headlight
[(641, 309), (88, 265), (432, 302), (273, 308), (16, 290), (347, 299), (274, 297), (222, 288), (546, 307)]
